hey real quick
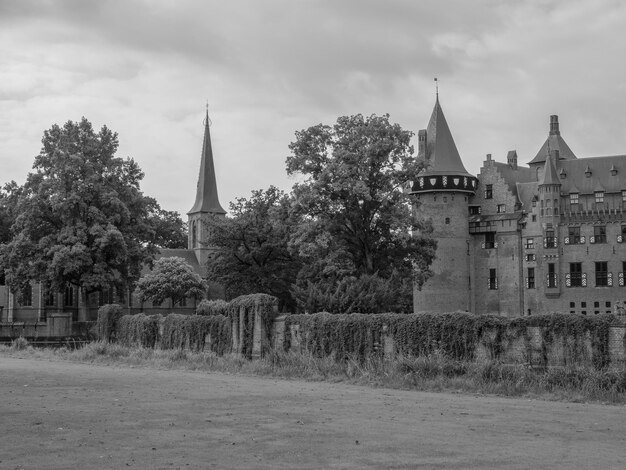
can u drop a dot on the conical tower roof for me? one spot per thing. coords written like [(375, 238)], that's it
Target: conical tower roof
[(206, 194), (442, 156), (550, 175)]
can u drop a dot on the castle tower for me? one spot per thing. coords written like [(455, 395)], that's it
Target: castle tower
[(207, 204), (442, 191)]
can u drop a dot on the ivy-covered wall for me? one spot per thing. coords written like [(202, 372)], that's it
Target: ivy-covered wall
[(542, 340), (249, 326)]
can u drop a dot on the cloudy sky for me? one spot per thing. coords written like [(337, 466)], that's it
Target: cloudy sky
[(146, 68)]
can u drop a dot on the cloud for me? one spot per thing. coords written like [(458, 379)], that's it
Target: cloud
[(145, 68)]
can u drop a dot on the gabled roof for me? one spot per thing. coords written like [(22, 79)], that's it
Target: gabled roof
[(206, 194), (442, 156), (525, 194), (554, 142), (601, 177), (511, 175)]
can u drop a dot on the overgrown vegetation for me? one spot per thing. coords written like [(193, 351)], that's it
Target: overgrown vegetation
[(456, 335), (108, 320), (434, 372)]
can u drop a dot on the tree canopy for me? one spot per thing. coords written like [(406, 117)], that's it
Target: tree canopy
[(171, 277), (346, 238), (252, 247), (353, 199), (80, 217)]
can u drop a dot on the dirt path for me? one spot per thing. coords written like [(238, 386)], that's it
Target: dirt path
[(65, 415)]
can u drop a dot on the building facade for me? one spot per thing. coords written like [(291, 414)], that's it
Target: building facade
[(522, 240), (38, 303)]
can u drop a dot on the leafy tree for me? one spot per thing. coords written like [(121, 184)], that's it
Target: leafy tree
[(171, 278), (358, 216), (252, 252), (169, 229), (81, 217), (9, 195)]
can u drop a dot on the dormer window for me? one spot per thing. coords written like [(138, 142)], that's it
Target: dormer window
[(599, 195), (588, 172)]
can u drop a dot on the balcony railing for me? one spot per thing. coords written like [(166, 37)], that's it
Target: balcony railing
[(576, 280)]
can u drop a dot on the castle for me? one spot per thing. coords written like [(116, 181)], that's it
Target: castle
[(517, 241), (37, 304), (512, 241)]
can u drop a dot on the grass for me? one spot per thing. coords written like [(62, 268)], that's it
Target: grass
[(432, 373)]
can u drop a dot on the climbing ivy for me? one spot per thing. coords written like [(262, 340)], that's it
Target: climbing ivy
[(457, 335), (245, 308), (139, 330), (192, 332)]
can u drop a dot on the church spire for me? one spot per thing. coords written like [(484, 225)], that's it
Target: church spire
[(206, 195)]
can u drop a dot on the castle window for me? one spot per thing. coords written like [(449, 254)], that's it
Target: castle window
[(194, 235), (599, 234), (447, 220), (534, 203), (530, 243), (474, 210), (602, 275), (623, 195), (549, 240), (489, 191), (551, 277), (573, 198), (530, 280), (501, 208), (599, 195), (534, 218), (493, 280), (575, 275), (574, 235), (531, 257), (490, 240)]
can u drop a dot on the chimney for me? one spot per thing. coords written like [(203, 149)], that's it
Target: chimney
[(554, 125), (421, 143)]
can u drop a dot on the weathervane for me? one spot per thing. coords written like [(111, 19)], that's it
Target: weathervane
[(436, 87)]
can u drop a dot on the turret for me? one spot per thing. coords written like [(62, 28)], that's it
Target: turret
[(442, 190)]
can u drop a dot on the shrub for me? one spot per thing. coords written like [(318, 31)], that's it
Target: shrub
[(19, 344), (212, 307), (107, 323)]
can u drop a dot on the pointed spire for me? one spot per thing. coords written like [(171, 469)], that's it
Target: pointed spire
[(550, 176), (442, 155), (206, 195)]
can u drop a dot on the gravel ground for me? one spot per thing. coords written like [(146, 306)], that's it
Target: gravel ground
[(63, 415)]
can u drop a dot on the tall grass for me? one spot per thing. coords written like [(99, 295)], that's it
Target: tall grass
[(435, 372)]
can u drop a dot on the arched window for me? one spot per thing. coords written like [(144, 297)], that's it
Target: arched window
[(194, 235)]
